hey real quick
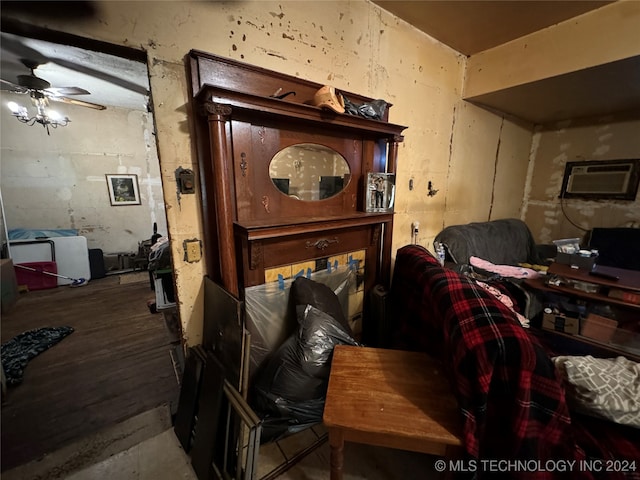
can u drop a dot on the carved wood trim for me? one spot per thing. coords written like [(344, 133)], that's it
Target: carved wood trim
[(322, 243), (213, 108), (243, 164), (265, 203)]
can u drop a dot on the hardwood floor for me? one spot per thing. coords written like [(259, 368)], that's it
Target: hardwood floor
[(116, 364)]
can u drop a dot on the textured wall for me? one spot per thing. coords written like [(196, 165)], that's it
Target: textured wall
[(353, 45), (608, 138)]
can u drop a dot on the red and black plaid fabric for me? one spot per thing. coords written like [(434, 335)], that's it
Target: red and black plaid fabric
[(510, 396)]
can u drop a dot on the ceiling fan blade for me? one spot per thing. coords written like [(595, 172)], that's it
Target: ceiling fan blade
[(80, 103), (13, 44), (60, 91), (87, 70), (18, 47), (6, 85)]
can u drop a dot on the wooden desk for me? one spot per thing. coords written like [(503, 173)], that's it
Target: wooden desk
[(389, 398)]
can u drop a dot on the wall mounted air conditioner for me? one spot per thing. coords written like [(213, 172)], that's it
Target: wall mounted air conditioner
[(601, 179)]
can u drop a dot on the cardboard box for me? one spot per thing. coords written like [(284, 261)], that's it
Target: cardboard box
[(598, 327), (560, 322), (8, 284)]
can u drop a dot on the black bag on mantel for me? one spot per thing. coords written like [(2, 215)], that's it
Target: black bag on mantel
[(290, 390)]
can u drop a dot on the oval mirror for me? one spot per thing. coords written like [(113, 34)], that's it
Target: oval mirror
[(309, 172)]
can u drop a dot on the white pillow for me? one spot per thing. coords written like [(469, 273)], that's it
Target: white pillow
[(605, 388)]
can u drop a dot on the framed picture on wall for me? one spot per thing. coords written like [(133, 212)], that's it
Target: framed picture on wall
[(381, 192), (123, 189)]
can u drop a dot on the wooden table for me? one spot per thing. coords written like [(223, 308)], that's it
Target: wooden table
[(389, 398)]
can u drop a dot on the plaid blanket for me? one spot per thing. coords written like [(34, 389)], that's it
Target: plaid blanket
[(512, 401)]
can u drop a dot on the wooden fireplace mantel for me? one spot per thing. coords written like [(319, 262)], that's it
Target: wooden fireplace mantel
[(249, 225)]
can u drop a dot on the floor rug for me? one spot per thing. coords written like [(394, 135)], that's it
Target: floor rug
[(17, 352)]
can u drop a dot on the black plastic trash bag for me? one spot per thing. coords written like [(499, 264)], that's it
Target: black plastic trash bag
[(374, 109), (290, 389)]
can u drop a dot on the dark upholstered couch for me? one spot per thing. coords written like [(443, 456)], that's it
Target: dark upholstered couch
[(501, 242), (511, 398)]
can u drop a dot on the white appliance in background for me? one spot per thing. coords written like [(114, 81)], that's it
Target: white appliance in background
[(71, 255), (25, 251)]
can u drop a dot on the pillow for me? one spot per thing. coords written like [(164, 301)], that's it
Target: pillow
[(605, 388)]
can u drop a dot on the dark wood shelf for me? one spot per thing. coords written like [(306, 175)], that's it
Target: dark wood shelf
[(628, 280), (246, 105), (257, 230), (587, 344), (540, 284)]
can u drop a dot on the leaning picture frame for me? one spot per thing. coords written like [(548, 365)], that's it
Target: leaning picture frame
[(381, 192), (123, 189)]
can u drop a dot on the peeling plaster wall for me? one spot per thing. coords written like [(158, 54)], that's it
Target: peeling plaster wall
[(609, 138), (479, 169), (487, 172), (58, 180), (353, 45)]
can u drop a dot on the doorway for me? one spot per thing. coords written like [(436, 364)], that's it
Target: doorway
[(56, 178)]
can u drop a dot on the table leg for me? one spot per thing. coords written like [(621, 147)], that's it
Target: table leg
[(336, 445)]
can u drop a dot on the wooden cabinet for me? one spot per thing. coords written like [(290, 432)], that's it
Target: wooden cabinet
[(251, 224)]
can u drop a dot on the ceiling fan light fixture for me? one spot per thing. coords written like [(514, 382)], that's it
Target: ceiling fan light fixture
[(47, 118), (16, 109), (56, 117)]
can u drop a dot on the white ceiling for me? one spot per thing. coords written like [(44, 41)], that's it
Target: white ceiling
[(112, 81)]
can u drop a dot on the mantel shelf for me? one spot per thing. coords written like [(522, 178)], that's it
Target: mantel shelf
[(294, 226), (254, 106)]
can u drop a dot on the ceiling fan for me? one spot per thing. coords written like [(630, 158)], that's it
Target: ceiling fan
[(40, 90)]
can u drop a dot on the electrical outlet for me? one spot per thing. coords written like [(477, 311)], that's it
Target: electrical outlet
[(192, 250)]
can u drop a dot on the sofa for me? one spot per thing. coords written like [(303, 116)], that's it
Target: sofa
[(495, 250), (513, 401), (506, 241)]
